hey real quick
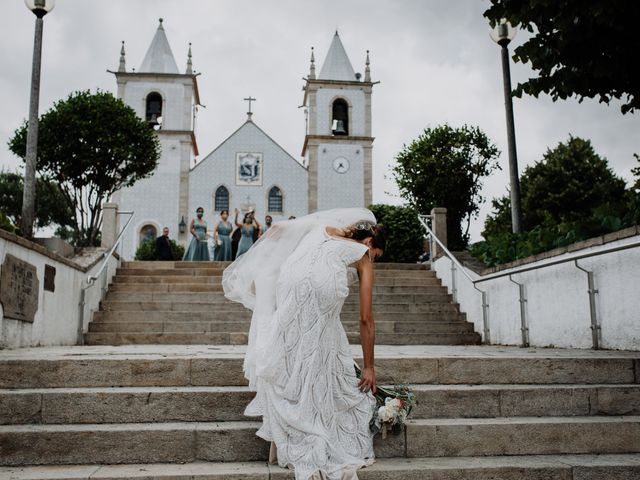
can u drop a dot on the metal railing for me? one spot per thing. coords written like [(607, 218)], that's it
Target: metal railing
[(100, 274), (455, 266), (596, 329)]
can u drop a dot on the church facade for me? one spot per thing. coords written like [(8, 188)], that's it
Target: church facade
[(249, 170)]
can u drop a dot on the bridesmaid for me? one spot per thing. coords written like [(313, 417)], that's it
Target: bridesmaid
[(222, 235), (198, 250), (248, 226)]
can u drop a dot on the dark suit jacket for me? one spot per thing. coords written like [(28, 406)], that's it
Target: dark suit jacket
[(163, 248)]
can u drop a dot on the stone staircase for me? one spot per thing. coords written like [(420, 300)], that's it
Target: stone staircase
[(170, 412), (183, 303)]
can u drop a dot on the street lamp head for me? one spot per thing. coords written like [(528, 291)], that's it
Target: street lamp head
[(503, 33), (40, 7)]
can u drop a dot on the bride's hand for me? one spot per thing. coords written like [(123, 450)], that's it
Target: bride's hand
[(367, 380)]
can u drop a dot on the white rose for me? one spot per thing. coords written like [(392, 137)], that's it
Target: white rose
[(386, 413)]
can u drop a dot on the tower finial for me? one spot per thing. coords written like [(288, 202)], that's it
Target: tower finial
[(160, 27), (367, 69), (189, 62), (312, 67), (122, 66)]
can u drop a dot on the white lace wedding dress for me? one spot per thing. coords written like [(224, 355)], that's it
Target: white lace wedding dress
[(306, 388)]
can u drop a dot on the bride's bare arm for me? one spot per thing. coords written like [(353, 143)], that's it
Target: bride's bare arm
[(367, 325)]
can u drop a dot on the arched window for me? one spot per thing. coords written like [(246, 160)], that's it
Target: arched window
[(275, 200), (148, 232), (340, 117), (222, 199), (154, 108)]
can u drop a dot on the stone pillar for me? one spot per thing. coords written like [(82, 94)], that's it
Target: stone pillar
[(313, 178), (109, 224), (439, 227)]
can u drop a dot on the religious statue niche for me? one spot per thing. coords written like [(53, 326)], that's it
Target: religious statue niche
[(249, 169)]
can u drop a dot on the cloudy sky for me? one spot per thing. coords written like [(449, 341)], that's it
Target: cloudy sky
[(434, 59)]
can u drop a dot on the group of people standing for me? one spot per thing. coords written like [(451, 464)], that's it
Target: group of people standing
[(229, 243)]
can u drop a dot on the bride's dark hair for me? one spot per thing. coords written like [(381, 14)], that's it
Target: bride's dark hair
[(364, 230)]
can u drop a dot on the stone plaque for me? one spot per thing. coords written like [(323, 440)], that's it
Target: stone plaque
[(19, 289)]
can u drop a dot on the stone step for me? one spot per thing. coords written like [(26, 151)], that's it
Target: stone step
[(222, 306), (457, 338), (522, 436), (397, 280), (162, 279), (480, 401), (231, 315), (173, 302), (206, 287), (389, 289), (188, 325), (208, 315), (220, 404), (124, 337), (179, 442), (516, 467), (217, 271), (165, 287), (202, 365), (165, 338), (207, 272), (430, 294), (172, 264), (208, 264), (402, 308)]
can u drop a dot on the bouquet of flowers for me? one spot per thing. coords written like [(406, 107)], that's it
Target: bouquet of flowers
[(393, 406)]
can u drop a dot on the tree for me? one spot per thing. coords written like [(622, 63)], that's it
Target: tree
[(577, 48), (569, 184), (444, 167), (404, 232), (636, 172), (51, 205), (91, 145)]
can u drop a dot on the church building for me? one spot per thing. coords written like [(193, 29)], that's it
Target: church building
[(249, 170)]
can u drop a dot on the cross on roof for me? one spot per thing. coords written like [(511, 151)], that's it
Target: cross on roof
[(249, 99)]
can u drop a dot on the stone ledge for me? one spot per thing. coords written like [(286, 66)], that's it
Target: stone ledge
[(518, 467), (35, 247)]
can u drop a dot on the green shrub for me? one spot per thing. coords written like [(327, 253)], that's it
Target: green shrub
[(147, 250), (506, 247), (404, 232), (5, 224)]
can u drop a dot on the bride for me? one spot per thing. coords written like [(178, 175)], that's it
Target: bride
[(315, 411)]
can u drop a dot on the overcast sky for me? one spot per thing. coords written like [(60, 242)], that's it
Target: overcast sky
[(434, 59)]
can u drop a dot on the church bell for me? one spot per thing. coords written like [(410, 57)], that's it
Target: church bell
[(338, 127)]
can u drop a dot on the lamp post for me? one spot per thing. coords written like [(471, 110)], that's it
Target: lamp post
[(40, 8), (502, 34)]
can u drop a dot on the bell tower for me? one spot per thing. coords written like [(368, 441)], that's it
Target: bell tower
[(167, 100), (338, 143)]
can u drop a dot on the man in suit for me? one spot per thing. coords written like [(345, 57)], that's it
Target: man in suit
[(163, 246)]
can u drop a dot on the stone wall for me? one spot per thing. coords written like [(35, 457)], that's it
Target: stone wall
[(46, 316), (557, 302)]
